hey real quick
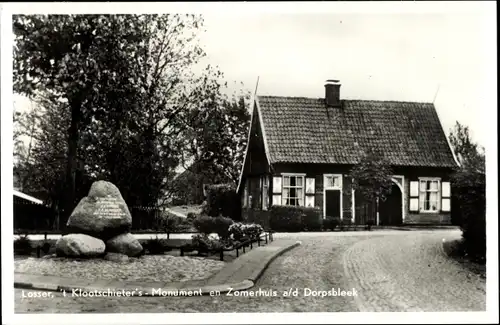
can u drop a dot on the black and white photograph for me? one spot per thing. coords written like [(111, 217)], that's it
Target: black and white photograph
[(249, 162)]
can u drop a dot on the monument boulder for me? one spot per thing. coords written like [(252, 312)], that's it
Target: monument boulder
[(102, 213)]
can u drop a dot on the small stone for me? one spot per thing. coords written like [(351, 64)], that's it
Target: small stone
[(116, 257), (79, 245), (125, 244)]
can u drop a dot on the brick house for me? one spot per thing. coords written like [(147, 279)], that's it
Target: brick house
[(301, 149)]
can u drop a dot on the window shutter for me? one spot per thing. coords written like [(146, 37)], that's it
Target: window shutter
[(445, 205), (445, 189), (277, 199), (276, 185), (414, 204), (445, 197), (414, 196), (310, 201), (309, 185), (414, 188)]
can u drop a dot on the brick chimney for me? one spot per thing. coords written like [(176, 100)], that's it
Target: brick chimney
[(332, 93)]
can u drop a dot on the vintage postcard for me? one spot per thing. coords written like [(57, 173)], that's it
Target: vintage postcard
[(244, 162)]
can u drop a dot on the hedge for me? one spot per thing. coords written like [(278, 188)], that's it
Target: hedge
[(330, 223), (294, 219), (208, 225), (260, 217), (312, 219), (222, 200), (469, 201), (204, 224)]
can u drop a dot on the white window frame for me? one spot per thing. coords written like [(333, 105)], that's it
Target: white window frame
[(339, 188), (264, 192), (303, 176), (421, 204)]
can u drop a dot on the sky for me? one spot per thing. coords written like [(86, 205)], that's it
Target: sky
[(438, 58), (442, 57)]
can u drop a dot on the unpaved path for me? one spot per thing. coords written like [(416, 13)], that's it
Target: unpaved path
[(390, 271)]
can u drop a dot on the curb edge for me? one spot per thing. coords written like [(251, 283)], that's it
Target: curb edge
[(279, 253)]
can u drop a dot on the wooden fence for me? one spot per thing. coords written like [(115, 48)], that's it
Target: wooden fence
[(264, 238), (35, 218), (32, 216)]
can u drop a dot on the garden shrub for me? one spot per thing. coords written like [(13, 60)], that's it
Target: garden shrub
[(46, 248), (236, 231), (331, 223), (369, 224), (204, 243), (222, 200), (169, 223), (22, 245), (239, 231), (468, 192), (260, 217), (295, 218), (155, 246), (204, 224), (253, 230), (286, 218), (345, 224), (221, 227), (311, 219), (191, 216)]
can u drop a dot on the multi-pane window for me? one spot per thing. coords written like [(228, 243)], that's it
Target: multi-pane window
[(429, 195), (293, 190), (333, 182)]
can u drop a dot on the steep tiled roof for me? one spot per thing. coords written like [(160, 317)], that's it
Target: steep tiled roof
[(303, 130)]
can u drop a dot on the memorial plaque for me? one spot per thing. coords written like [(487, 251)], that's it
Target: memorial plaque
[(109, 208)]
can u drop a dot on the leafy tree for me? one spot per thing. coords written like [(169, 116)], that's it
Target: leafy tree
[(469, 211), (470, 155), (42, 173), (468, 208), (143, 148), (59, 54), (372, 179), (216, 143), (127, 86)]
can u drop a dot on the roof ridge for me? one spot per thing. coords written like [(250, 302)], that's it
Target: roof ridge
[(349, 99), (300, 129)]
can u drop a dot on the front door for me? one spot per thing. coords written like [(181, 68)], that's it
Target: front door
[(332, 203), (390, 211)]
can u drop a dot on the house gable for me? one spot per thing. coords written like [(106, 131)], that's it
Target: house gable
[(256, 161)]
